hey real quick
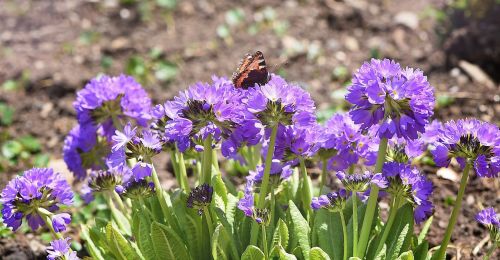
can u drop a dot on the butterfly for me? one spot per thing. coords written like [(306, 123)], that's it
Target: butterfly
[(251, 70)]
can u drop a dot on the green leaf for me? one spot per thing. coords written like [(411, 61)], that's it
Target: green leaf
[(219, 243), (232, 242), (166, 243), (252, 253), (232, 205), (279, 252), (41, 160), (400, 236), (425, 229), (169, 4), (301, 229), (194, 236), (10, 85), (89, 243), (6, 114), (396, 247), (11, 149), (143, 237), (422, 251), (166, 71), (328, 229), (220, 192), (408, 255), (281, 236), (30, 143), (118, 245), (381, 255), (318, 254)]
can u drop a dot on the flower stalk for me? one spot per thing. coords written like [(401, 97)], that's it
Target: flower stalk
[(372, 201), (441, 253), (206, 171)]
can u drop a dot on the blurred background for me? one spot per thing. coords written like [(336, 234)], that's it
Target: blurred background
[(50, 49)]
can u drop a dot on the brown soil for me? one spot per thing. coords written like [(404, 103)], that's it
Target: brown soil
[(60, 45)]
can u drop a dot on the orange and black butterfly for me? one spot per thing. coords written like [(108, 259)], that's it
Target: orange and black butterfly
[(252, 70)]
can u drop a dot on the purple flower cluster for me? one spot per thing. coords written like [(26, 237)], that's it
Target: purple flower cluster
[(60, 250), (489, 218), (359, 182), (342, 142), (203, 110), (36, 195), (470, 139), (406, 182), (294, 142), (106, 101), (333, 201), (129, 144), (278, 173), (281, 103), (200, 197), (400, 100)]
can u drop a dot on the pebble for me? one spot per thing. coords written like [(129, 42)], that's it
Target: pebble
[(470, 200), (351, 43), (448, 174), (408, 19), (476, 73), (46, 109)]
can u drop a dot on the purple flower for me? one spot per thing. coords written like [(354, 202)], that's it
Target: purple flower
[(81, 150), (59, 221), (86, 193), (246, 204), (278, 173), (359, 182), (129, 144), (410, 185), (249, 133), (279, 102), (204, 109), (37, 192), (121, 139), (333, 201), (136, 189), (488, 217), (59, 249), (105, 180), (470, 139), (106, 101), (400, 100), (142, 170), (200, 197)]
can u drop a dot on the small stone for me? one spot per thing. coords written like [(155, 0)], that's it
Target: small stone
[(119, 43), (476, 73), (351, 43), (470, 200), (455, 72), (408, 19), (448, 174), (46, 109)]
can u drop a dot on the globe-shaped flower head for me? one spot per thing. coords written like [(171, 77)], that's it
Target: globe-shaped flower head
[(60, 250), (36, 196), (473, 140), (203, 110), (333, 201), (489, 218), (400, 100), (108, 102), (279, 102), (407, 184)]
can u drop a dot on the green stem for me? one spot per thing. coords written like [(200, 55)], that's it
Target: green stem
[(47, 218), (491, 250), (388, 225), (264, 242), (273, 205), (441, 253), (215, 161), (265, 182), (206, 171), (181, 165), (175, 166), (119, 202), (354, 224), (372, 201), (209, 222), (324, 174), (113, 209), (344, 233), (159, 191), (306, 188)]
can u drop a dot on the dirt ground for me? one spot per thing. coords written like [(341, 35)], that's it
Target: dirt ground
[(51, 48)]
